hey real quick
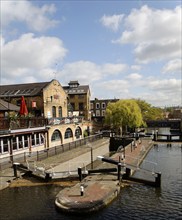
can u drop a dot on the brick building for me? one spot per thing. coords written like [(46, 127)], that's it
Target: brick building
[(49, 124), (79, 99), (46, 99)]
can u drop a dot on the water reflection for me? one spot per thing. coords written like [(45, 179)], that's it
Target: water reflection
[(134, 202)]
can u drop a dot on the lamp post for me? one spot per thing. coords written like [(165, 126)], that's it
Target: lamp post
[(91, 157), (91, 154)]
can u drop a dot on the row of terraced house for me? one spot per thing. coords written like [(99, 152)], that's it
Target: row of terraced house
[(57, 115)]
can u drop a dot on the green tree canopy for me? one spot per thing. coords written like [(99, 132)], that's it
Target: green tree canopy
[(123, 113), (149, 112)]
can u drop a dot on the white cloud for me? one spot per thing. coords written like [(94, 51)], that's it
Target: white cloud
[(83, 71), (112, 89), (173, 66), (29, 55), (147, 52), (156, 33), (165, 85), (110, 68), (113, 22), (36, 18), (134, 76), (2, 41), (163, 92), (161, 99), (136, 67), (155, 91), (88, 72)]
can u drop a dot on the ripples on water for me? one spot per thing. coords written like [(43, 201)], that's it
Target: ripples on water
[(135, 202)]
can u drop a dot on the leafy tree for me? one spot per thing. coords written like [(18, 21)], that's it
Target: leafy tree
[(123, 114), (149, 112)]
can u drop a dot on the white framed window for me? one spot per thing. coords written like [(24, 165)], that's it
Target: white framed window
[(103, 112), (103, 105), (97, 105), (97, 112)]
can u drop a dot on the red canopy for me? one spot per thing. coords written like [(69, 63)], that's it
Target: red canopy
[(23, 107)]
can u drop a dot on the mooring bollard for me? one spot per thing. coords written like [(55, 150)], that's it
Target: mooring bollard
[(81, 190), (15, 165), (80, 173), (158, 180)]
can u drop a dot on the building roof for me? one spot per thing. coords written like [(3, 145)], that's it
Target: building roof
[(74, 82), (6, 106), (75, 88), (33, 89), (104, 100), (17, 90)]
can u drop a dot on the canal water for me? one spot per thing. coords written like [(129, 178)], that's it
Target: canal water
[(134, 202)]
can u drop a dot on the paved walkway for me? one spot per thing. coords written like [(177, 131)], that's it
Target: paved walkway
[(82, 156), (6, 176), (134, 155), (65, 161)]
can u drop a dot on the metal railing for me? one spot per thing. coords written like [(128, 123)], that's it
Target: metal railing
[(43, 154), (21, 123), (65, 120)]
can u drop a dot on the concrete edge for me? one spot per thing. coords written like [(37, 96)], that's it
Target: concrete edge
[(88, 206)]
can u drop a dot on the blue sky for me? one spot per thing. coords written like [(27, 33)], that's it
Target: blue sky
[(121, 49)]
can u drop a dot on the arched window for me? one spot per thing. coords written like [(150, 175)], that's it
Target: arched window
[(54, 111), (60, 112), (56, 136), (68, 133), (78, 132)]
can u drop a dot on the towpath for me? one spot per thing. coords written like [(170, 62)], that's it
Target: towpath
[(65, 161)]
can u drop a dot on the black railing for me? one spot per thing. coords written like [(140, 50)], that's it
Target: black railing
[(43, 154)]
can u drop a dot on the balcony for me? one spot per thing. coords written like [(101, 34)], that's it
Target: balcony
[(65, 120), (7, 124)]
